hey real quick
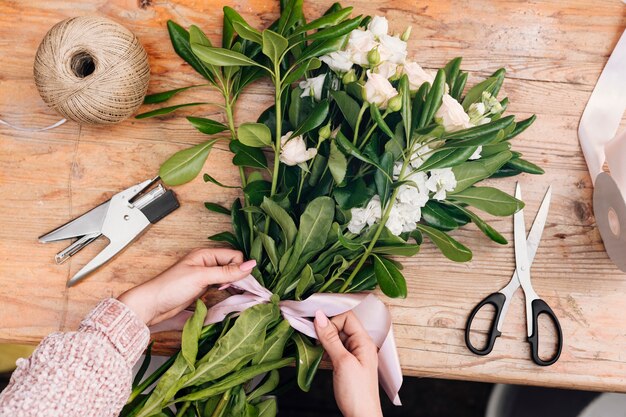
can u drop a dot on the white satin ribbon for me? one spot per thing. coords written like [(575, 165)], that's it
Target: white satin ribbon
[(32, 129), (367, 307), (597, 134)]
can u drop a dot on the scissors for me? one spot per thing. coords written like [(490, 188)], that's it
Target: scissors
[(525, 250), (121, 219)]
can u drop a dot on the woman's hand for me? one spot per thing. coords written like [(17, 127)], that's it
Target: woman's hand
[(355, 364), (172, 291)]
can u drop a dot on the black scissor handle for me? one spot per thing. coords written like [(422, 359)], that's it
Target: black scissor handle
[(540, 307), (497, 300)]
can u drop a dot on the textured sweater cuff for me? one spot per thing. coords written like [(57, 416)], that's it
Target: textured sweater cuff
[(126, 332)]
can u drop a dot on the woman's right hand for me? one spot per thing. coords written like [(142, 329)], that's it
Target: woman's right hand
[(355, 364)]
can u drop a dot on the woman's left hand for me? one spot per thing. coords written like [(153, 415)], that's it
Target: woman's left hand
[(172, 291)]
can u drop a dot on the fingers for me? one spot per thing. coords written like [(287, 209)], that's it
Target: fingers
[(358, 341), (223, 274), (329, 338), (213, 257)]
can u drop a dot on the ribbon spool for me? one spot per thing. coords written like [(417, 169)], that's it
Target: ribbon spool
[(598, 140), (92, 70)]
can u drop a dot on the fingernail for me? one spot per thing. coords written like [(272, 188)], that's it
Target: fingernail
[(248, 265), (321, 319)]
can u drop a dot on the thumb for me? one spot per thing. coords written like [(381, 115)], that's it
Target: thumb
[(223, 274), (329, 338)]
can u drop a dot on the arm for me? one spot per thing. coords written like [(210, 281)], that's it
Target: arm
[(84, 373), (88, 373)]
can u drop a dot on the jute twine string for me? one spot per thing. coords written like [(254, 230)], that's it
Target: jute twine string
[(92, 70)]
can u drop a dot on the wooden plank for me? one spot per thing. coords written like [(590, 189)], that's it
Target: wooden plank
[(553, 52)]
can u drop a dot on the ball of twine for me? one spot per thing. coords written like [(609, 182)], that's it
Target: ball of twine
[(92, 70)]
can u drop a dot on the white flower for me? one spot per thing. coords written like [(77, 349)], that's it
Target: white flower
[(365, 216), (395, 220), (378, 90), (441, 181), (386, 69), (378, 26), (359, 45), (417, 159), (392, 49), (476, 154), (313, 87), (338, 61), (451, 115), (397, 167), (414, 196), (294, 151), (417, 75), (411, 215)]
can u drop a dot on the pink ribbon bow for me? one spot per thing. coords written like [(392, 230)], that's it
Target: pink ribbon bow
[(367, 307)]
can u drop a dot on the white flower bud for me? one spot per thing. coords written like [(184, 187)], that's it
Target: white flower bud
[(294, 151)]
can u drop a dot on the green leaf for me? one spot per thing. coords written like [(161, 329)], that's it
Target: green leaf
[(390, 279), (354, 194), (406, 111), (378, 118), (437, 217), (305, 282), (433, 99), (268, 408), (247, 156), (490, 200), (491, 85), (240, 227), (274, 45), (397, 249), (331, 19), (228, 30), (289, 16), (234, 379), (296, 74), (322, 47), (452, 69), (346, 243), (308, 360), (282, 218), (166, 110), (365, 280), (481, 130), (347, 105), (347, 146), (256, 135), (382, 178), (270, 248), (257, 191), (226, 237), (208, 178), (418, 103), (315, 223), (525, 166), (315, 119), (166, 95), (337, 30), (180, 41), (295, 105), (446, 158), (165, 389), (240, 344), (459, 86), (450, 248), (185, 165), (207, 126), (521, 126), (191, 334), (468, 174), (274, 344), (269, 385), (489, 231), (221, 57), (245, 31), (337, 163), (217, 208)]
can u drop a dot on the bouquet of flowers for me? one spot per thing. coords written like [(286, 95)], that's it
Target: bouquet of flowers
[(362, 154)]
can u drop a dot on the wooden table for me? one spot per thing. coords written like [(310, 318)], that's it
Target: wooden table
[(553, 52)]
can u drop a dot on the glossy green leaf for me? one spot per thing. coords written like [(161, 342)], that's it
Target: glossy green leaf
[(490, 200), (482, 130), (322, 47), (382, 178), (226, 237), (459, 86), (305, 281), (397, 249), (378, 118), (217, 208), (185, 165), (282, 218), (315, 119), (241, 228), (347, 243), (180, 41), (450, 248), (521, 126), (208, 178), (347, 105), (335, 31), (247, 156), (354, 194), (347, 146), (437, 217), (207, 126), (256, 135), (331, 19), (300, 70), (274, 344), (268, 408), (166, 95), (289, 16), (525, 166), (309, 357), (221, 57), (256, 191), (452, 70), (447, 158), (191, 334), (337, 163), (268, 385), (270, 248), (274, 45), (491, 85), (247, 32), (389, 278), (405, 111), (166, 110), (433, 99), (489, 231), (365, 280)]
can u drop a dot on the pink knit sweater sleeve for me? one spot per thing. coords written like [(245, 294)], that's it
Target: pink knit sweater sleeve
[(84, 373)]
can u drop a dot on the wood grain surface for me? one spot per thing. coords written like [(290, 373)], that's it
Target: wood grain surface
[(553, 52)]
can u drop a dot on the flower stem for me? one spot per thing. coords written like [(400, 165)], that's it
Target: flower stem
[(279, 128), (219, 410), (358, 122)]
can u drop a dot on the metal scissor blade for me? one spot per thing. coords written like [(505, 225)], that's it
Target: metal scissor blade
[(89, 223), (536, 230), (522, 263)]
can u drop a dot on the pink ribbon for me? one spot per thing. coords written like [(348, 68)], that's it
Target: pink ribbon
[(367, 307)]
